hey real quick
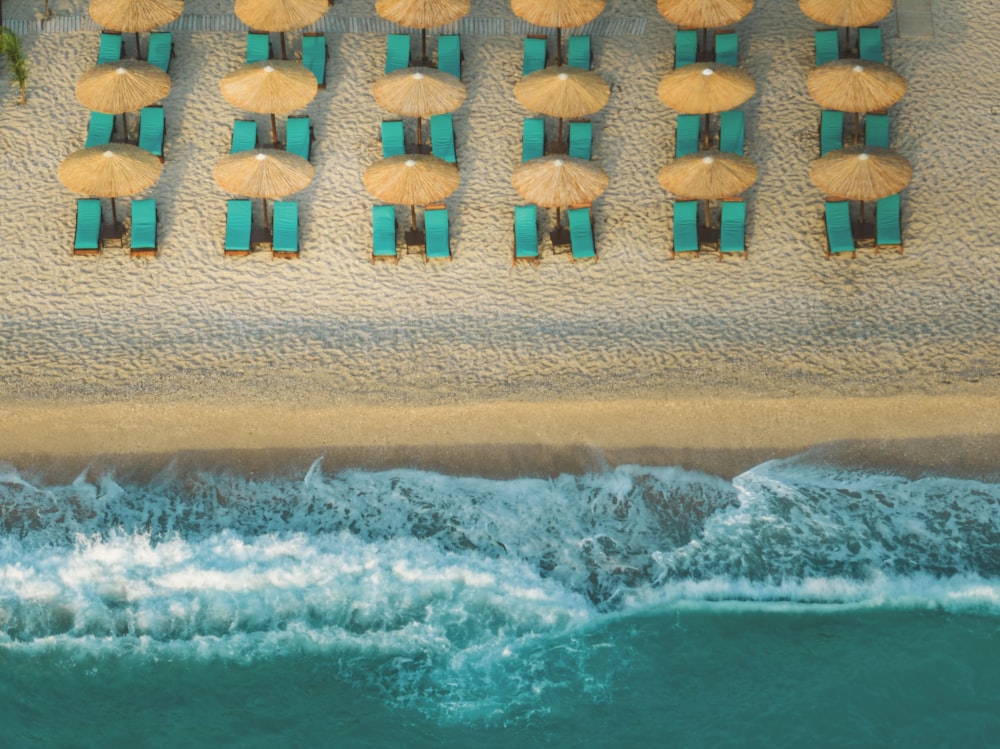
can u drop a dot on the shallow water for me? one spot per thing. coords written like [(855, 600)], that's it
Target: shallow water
[(800, 604)]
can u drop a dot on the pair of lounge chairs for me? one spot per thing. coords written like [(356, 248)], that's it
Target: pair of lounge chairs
[(581, 233), (731, 133), (160, 52), (579, 53), (88, 235), (298, 136), (840, 231), (869, 44), (449, 53), (581, 139), (314, 52), (284, 225), (436, 233), (442, 137), (831, 130), (100, 129), (732, 229)]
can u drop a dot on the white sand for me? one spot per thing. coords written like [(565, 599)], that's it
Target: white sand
[(330, 328)]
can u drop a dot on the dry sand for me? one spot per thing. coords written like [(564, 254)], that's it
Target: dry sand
[(194, 350)]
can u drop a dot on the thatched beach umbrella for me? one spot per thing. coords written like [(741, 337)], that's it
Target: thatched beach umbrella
[(705, 88), (855, 86), (113, 170), (861, 173), (558, 181), (703, 14), (135, 15), (263, 174), (411, 179), (270, 87), (563, 92), (122, 86), (280, 15), (708, 175), (561, 14), (419, 92), (846, 12), (422, 14)]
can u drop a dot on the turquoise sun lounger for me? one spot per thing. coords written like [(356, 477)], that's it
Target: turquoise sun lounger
[(827, 46), (285, 223), (578, 53), (733, 227), (581, 234), (298, 136), (831, 131), (99, 129), (239, 225), (877, 130), (888, 229), (731, 131), (87, 237), (244, 136), (397, 52), (443, 137), (685, 226), (436, 229), (581, 139), (384, 233), (727, 48), (152, 130), (533, 138), (839, 234), (393, 138), (110, 49), (143, 227), (161, 50), (314, 56), (685, 47), (526, 233), (535, 54), (258, 47), (450, 54)]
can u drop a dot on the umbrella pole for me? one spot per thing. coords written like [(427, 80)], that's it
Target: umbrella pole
[(284, 54), (560, 136), (114, 213), (274, 130), (708, 207), (423, 45), (138, 49), (413, 218), (420, 140), (558, 218), (267, 223), (125, 127), (857, 125), (559, 59)]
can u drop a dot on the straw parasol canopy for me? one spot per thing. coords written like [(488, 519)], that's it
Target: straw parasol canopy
[(270, 87), (557, 181), (861, 173), (706, 87), (280, 15), (135, 15), (855, 86), (261, 173), (110, 171), (411, 179), (703, 14), (846, 12), (422, 14), (418, 92), (561, 14), (708, 175), (563, 91), (123, 86)]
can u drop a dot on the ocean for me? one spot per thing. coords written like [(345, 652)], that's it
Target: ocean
[(799, 604)]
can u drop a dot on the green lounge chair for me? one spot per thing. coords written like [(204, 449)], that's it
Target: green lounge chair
[(581, 234), (393, 138), (839, 235), (827, 46), (443, 137), (258, 47), (733, 227), (285, 223), (99, 129), (533, 139), (244, 136), (450, 54), (397, 52), (239, 226), (384, 233), (578, 52), (888, 232), (877, 130), (151, 130), (535, 54), (110, 49), (143, 228), (685, 47), (87, 238), (685, 226), (526, 233), (831, 131), (727, 48), (870, 43), (314, 56), (581, 138), (298, 136), (161, 50), (688, 134), (731, 131), (436, 229)]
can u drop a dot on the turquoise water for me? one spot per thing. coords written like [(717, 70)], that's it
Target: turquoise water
[(801, 604)]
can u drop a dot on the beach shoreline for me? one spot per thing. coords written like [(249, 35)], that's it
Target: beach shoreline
[(503, 439)]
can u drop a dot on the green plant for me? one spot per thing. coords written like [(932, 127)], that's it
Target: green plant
[(10, 46)]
